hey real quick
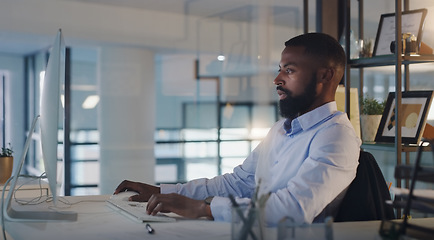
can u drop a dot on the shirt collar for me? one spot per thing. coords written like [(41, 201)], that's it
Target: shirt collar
[(310, 119)]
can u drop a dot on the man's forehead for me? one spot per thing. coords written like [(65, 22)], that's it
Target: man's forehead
[(294, 55), (297, 48)]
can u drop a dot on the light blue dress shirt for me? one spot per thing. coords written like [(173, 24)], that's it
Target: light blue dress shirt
[(305, 168)]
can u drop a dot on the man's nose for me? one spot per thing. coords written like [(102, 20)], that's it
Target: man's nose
[(278, 81)]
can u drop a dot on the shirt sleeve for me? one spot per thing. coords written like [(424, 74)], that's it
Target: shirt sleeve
[(221, 207), (240, 184)]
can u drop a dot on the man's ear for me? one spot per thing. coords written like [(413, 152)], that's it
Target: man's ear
[(326, 75)]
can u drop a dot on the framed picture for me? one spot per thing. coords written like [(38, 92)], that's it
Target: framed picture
[(415, 107), (412, 22)]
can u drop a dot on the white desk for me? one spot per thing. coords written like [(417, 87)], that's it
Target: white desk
[(98, 221)]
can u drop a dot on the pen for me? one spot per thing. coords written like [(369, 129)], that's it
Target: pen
[(149, 228)]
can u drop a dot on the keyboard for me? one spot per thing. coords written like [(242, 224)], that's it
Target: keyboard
[(137, 211)]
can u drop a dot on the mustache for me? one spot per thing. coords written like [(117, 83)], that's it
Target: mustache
[(283, 90)]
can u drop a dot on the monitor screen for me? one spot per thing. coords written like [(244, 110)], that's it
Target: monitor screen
[(49, 122), (51, 110)]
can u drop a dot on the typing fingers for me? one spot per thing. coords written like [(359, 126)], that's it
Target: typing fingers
[(123, 186), (163, 203), (175, 203), (154, 204)]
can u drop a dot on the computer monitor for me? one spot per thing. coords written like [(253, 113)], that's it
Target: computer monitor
[(49, 125)]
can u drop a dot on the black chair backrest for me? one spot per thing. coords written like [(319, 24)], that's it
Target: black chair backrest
[(366, 195)]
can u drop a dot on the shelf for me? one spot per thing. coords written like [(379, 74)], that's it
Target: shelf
[(421, 206), (391, 147), (389, 60), (425, 173)]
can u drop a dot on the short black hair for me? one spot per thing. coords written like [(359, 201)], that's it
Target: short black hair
[(321, 46)]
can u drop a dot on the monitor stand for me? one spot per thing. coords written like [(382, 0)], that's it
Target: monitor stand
[(14, 215)]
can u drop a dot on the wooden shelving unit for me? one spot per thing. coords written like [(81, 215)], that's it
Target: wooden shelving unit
[(389, 60), (397, 60)]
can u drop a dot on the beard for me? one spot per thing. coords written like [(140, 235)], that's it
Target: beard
[(291, 106)]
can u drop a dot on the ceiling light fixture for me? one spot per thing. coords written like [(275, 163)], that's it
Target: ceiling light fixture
[(90, 102)]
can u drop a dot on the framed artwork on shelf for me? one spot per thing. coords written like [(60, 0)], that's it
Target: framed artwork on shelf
[(412, 23), (414, 112)]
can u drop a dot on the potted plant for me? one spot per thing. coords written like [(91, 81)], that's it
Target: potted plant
[(372, 111), (6, 163)]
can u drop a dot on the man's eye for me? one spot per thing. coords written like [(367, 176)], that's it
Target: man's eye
[(287, 70)]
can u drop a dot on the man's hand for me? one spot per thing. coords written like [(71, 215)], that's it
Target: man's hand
[(145, 190), (184, 206)]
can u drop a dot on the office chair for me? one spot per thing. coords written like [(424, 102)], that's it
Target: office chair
[(366, 196)]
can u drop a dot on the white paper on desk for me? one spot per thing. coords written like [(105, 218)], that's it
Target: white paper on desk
[(424, 193)]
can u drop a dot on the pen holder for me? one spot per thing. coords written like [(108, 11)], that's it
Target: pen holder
[(287, 229), (247, 223)]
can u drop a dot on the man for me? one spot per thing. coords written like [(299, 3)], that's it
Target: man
[(306, 161)]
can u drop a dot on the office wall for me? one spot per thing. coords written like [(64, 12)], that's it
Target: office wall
[(97, 24)]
